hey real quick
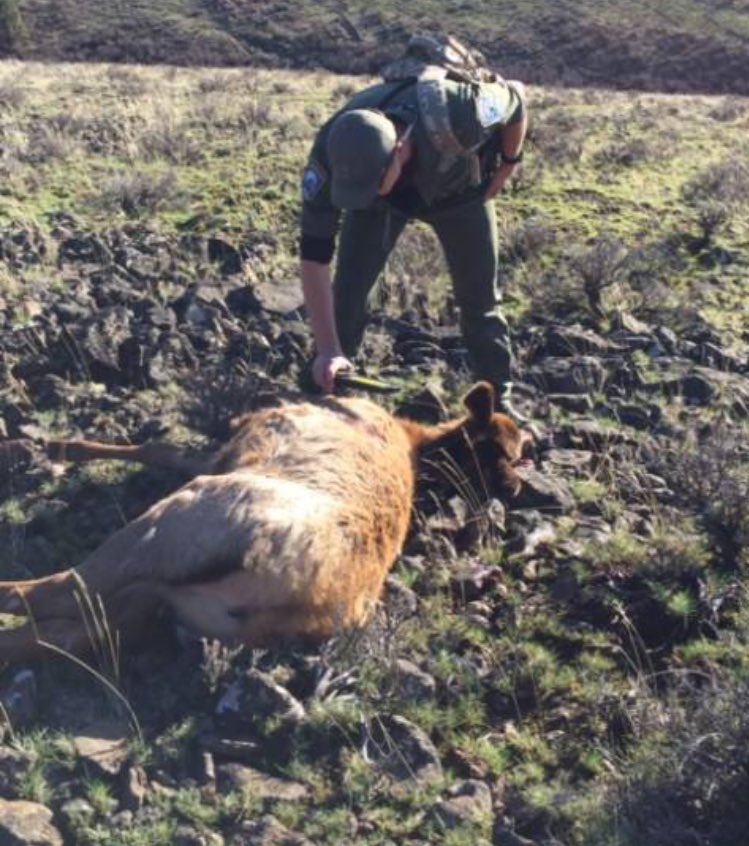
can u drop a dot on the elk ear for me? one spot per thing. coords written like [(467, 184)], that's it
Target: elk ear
[(480, 402)]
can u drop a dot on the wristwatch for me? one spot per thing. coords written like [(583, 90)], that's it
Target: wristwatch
[(511, 160)]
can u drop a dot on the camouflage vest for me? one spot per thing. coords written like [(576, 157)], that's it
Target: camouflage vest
[(428, 61)]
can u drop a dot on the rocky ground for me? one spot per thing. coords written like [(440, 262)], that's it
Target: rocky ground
[(567, 667), (501, 679)]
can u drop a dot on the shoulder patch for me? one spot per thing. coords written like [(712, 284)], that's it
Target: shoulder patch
[(490, 109), (313, 180)]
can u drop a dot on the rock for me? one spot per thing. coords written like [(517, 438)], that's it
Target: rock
[(256, 698), (528, 544), (467, 801), (451, 518), (19, 699), (13, 768), (465, 525), (404, 751), (505, 836), (135, 789), (623, 321), (543, 492), (471, 579), (233, 749), (77, 812), (697, 390), (225, 255), (576, 461), (572, 340), (401, 598), (426, 406), (235, 777), (27, 824), (15, 455), (576, 403), (639, 416), (667, 339), (715, 356), (84, 248), (185, 835), (266, 831), (278, 297), (580, 374), (591, 435), (104, 746), (413, 683)]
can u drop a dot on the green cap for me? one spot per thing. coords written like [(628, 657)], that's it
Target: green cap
[(360, 143)]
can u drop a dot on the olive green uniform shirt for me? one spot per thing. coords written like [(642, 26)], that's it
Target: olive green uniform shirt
[(476, 112)]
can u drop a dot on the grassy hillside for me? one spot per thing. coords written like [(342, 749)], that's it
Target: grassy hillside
[(682, 45), (573, 670)]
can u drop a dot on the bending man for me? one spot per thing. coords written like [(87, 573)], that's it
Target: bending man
[(435, 150)]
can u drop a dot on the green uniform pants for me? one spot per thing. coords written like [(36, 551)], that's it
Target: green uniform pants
[(468, 234)]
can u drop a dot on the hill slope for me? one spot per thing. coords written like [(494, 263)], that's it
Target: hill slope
[(682, 45), (571, 669)]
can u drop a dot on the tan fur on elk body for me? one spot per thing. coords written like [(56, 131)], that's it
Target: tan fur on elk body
[(289, 530)]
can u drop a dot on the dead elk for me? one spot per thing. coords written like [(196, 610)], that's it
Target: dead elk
[(287, 531)]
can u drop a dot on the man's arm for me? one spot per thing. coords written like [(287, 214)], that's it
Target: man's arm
[(319, 224), (511, 145), (318, 300)]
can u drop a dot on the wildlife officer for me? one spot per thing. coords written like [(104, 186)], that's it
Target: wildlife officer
[(435, 149)]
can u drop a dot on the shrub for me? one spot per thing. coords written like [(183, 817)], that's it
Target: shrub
[(685, 782), (717, 194), (709, 472), (13, 33), (599, 267), (138, 193)]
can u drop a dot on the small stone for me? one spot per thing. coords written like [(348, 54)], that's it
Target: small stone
[(19, 699), (233, 749), (467, 801), (225, 255), (581, 374), (591, 435), (13, 768), (135, 788), (637, 416), (426, 406), (566, 460), (413, 682), (571, 340), (104, 746), (505, 836), (543, 492), (697, 390), (405, 752), (266, 831), (235, 777), (76, 812), (256, 698), (27, 824), (667, 339), (624, 321), (576, 403)]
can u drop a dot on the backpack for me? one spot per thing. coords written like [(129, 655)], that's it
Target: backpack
[(428, 61), (434, 56)]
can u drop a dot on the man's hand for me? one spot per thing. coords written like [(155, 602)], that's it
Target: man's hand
[(325, 367), (504, 172)]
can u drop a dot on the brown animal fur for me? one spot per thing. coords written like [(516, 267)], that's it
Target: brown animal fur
[(289, 530)]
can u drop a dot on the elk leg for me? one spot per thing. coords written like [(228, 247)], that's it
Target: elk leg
[(236, 609), (27, 642), (151, 454)]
